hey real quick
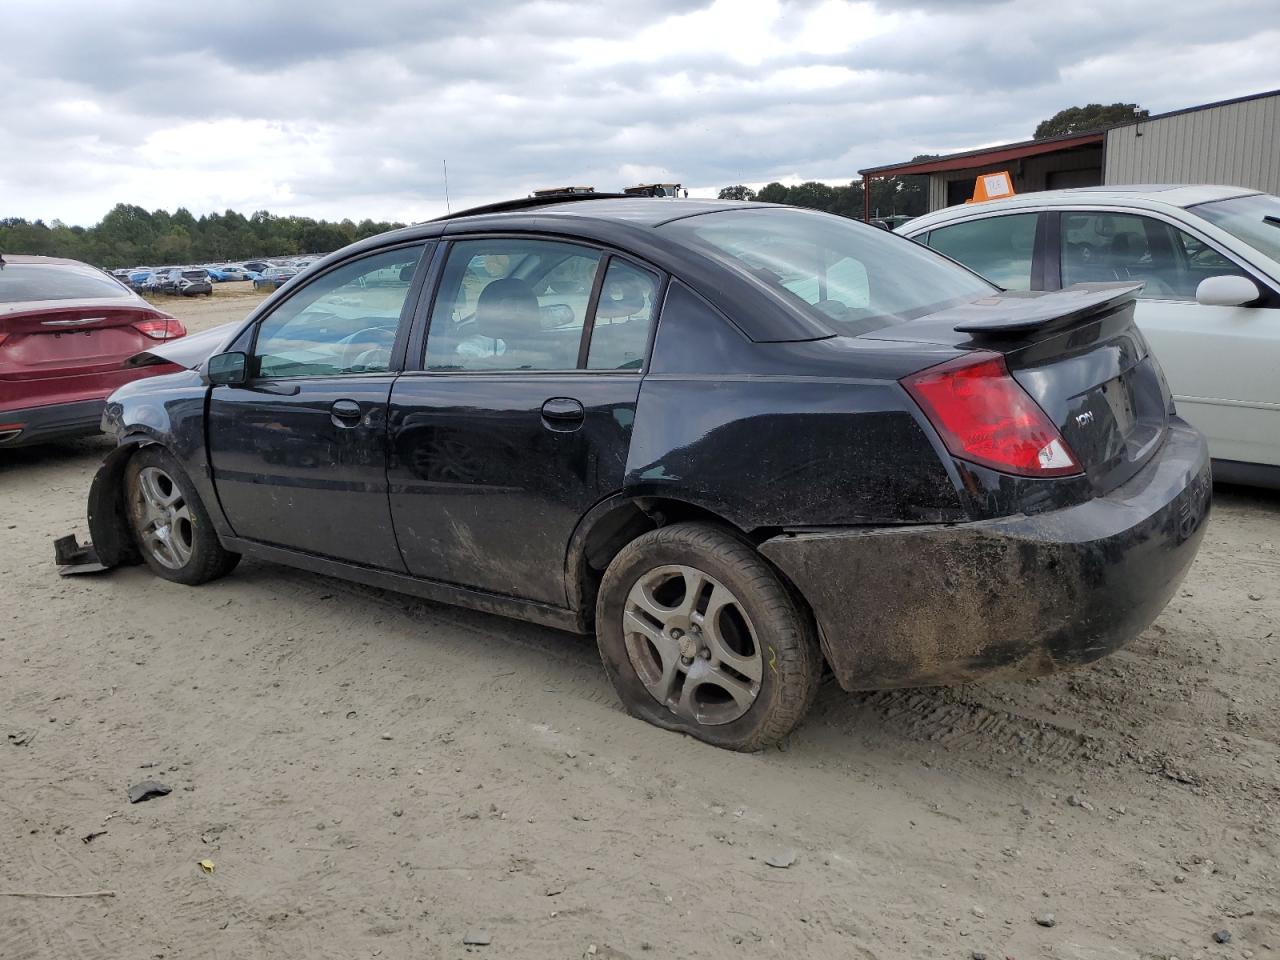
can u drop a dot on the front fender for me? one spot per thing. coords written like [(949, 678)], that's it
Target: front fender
[(109, 528)]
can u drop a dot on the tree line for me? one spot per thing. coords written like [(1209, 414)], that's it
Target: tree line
[(130, 235), (907, 196)]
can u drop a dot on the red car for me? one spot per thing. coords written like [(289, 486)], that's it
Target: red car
[(66, 329)]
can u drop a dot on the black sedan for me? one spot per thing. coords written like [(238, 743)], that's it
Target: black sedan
[(740, 443)]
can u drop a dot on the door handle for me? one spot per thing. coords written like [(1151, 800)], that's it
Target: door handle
[(563, 413), (345, 413)]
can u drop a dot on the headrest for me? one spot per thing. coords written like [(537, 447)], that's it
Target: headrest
[(620, 297), (508, 309)]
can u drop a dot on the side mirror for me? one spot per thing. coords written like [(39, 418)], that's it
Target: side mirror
[(1229, 291), (231, 369)]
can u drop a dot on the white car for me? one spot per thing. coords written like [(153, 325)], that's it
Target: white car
[(1209, 258)]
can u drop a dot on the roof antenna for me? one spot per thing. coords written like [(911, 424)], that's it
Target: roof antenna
[(447, 207)]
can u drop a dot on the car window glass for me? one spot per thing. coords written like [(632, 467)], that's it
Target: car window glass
[(21, 282), (852, 277), (624, 317), (507, 304), (998, 248), (1119, 246), (342, 322)]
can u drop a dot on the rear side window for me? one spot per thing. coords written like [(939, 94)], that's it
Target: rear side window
[(852, 277), (20, 282), (998, 248), (623, 319)]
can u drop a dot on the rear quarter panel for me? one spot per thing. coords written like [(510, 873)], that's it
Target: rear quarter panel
[(784, 434)]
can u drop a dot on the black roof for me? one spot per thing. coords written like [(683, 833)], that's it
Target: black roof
[(642, 211)]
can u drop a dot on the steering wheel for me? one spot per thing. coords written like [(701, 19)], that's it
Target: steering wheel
[(376, 357)]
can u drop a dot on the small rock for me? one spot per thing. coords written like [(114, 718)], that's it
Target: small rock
[(386, 736), (1047, 920), (782, 859), (1255, 596), (90, 837), (591, 950), (555, 889), (977, 955), (351, 714), (1075, 800), (978, 912), (1222, 936), (1026, 811), (148, 790), (397, 812), (477, 938)]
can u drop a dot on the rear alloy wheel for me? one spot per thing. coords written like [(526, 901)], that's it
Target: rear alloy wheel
[(169, 523), (698, 634)]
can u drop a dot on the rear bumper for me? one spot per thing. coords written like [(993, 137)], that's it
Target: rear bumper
[(50, 422), (943, 604)]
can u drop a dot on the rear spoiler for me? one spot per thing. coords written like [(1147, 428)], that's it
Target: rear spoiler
[(1014, 313)]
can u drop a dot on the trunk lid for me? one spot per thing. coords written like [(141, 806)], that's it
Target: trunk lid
[(1079, 355), (55, 338)]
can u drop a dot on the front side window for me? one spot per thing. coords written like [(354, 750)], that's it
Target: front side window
[(850, 276), (1170, 263), (344, 321), (998, 248), (511, 304)]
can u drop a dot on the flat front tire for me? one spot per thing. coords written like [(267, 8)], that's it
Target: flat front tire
[(169, 523), (699, 634)]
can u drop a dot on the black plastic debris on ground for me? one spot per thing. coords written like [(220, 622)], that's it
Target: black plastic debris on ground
[(148, 790)]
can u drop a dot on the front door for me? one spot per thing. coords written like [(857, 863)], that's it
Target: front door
[(521, 419), (299, 454)]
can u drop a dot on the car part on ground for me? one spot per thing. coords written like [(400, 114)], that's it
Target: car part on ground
[(805, 437)]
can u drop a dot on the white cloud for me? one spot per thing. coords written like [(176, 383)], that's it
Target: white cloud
[(336, 109)]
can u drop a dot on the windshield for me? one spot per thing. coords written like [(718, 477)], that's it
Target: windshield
[(21, 282), (1255, 220), (855, 278)]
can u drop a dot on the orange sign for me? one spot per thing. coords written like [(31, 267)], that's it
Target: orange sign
[(992, 186)]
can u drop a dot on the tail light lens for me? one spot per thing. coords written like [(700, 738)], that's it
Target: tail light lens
[(161, 328), (983, 415)]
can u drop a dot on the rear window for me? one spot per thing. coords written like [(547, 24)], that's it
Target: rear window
[(20, 282), (195, 274), (853, 277)]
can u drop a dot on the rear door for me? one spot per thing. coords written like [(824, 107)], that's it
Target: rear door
[(299, 453), (520, 419), (1220, 361), (1006, 249)]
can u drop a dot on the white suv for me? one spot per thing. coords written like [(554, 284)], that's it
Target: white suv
[(1209, 258)]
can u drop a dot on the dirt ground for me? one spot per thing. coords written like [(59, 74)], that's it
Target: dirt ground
[(372, 775)]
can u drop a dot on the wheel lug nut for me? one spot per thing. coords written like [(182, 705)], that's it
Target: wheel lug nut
[(677, 633), (686, 660), (704, 653)]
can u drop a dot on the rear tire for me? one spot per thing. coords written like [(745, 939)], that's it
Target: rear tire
[(698, 634), (169, 523)]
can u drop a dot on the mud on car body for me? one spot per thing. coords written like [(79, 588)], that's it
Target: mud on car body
[(735, 441)]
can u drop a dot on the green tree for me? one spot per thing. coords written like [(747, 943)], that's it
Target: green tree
[(738, 192), (1092, 116), (773, 193)]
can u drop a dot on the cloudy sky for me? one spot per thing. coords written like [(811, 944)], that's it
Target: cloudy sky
[(346, 109)]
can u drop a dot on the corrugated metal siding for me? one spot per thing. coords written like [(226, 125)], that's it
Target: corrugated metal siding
[(1237, 144)]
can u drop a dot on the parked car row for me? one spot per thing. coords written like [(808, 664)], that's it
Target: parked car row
[(168, 279)]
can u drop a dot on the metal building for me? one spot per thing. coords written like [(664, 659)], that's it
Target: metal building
[(1234, 142)]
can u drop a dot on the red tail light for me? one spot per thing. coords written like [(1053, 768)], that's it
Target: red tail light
[(984, 416), (161, 328)]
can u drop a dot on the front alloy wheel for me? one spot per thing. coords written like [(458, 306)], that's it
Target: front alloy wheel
[(163, 522)]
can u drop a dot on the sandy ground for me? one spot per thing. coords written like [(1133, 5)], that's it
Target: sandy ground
[(377, 776)]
